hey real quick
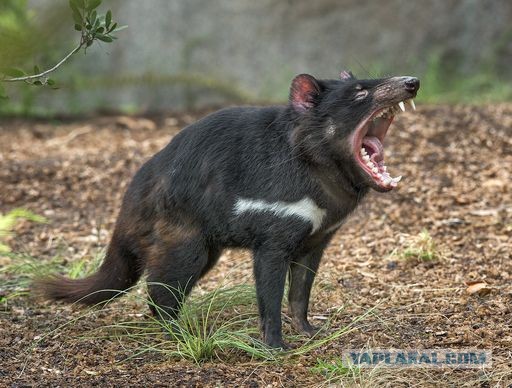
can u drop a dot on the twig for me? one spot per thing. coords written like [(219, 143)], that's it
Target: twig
[(69, 137), (44, 73)]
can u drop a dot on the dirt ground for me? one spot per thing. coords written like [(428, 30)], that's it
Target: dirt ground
[(456, 162)]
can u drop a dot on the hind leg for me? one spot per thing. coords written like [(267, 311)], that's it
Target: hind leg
[(213, 257), (173, 269)]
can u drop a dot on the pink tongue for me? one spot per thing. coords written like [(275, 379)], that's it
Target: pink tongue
[(376, 147)]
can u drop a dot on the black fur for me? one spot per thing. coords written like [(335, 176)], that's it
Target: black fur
[(178, 212)]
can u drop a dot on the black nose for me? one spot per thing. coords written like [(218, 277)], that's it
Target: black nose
[(412, 84)]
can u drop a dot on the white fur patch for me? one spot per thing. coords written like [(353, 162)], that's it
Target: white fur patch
[(306, 209)]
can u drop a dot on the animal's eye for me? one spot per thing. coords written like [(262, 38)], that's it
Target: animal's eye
[(360, 94)]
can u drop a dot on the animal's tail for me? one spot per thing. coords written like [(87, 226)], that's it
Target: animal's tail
[(119, 271)]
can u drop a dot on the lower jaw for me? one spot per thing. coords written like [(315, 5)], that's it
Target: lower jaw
[(377, 173), (378, 187)]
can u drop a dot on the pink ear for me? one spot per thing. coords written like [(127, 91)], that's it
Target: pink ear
[(303, 92), (345, 75)]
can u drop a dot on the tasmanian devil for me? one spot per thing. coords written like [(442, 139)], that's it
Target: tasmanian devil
[(278, 180)]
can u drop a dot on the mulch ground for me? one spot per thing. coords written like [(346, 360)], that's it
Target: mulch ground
[(456, 167)]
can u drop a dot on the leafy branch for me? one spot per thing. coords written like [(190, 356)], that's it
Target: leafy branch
[(93, 27)]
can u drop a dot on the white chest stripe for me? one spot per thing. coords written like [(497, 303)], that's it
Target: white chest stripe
[(305, 209)]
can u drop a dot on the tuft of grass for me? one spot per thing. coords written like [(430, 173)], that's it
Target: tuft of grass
[(420, 247), (17, 274), (24, 267), (217, 324)]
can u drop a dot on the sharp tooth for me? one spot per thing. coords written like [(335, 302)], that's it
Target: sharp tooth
[(363, 151), (366, 158), (411, 103), (397, 179), (375, 170), (387, 181), (369, 163), (384, 168), (402, 106)]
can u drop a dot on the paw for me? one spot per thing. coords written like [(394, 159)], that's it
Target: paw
[(305, 328), (276, 342), (279, 345)]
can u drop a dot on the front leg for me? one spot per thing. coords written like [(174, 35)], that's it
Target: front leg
[(302, 275), (270, 268)]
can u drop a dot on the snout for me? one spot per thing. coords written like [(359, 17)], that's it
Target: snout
[(411, 84), (395, 89)]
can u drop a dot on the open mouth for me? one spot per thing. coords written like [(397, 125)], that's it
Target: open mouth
[(368, 144)]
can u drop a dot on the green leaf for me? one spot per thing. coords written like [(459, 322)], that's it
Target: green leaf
[(104, 38), (100, 30), (74, 6), (80, 3), (77, 15), (108, 18), (36, 69), (13, 72), (93, 17), (112, 27), (78, 27), (92, 4), (37, 83), (50, 82)]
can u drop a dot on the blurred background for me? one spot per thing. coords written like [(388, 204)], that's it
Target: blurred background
[(182, 55)]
